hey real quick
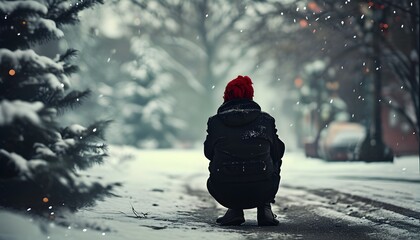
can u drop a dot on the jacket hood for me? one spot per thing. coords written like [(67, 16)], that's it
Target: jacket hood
[(238, 112)]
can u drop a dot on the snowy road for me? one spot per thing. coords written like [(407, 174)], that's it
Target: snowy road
[(316, 200), (321, 200)]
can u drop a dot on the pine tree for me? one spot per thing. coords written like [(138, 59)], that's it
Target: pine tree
[(40, 161), (150, 122), (141, 102)]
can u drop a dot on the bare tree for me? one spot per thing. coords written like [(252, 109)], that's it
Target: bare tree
[(201, 37), (377, 41)]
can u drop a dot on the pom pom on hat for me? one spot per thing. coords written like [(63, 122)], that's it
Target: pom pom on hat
[(239, 88)]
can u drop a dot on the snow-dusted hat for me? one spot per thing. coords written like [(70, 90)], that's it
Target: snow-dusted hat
[(240, 87)]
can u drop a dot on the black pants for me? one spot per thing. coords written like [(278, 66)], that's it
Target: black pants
[(244, 195)]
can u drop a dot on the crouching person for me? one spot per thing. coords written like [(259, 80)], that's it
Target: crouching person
[(245, 156)]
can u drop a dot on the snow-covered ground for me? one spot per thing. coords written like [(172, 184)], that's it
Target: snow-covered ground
[(168, 193), (395, 183)]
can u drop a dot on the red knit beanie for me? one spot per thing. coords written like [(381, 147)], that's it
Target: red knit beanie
[(240, 87)]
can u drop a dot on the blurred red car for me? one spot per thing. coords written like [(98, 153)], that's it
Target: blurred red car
[(338, 141)]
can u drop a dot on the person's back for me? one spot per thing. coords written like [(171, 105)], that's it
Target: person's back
[(245, 155)]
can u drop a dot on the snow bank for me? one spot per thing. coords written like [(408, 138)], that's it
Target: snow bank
[(394, 183), (15, 226)]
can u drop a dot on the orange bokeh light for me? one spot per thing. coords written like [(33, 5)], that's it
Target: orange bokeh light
[(298, 82), (303, 23), (384, 26), (314, 7), (333, 85), (12, 72), (45, 199)]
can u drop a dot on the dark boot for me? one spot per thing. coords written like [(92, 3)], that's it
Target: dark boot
[(232, 217), (265, 216)]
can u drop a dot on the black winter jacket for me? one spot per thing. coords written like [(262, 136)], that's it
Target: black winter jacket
[(242, 143)]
